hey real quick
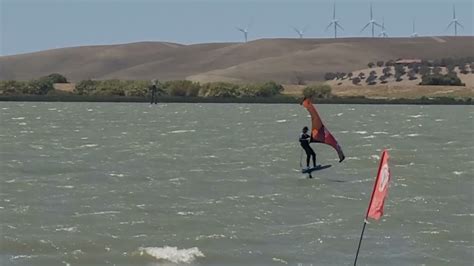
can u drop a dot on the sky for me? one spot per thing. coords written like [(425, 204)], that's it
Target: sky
[(35, 25)]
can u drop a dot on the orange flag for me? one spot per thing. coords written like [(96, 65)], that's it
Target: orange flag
[(319, 133), (380, 190)]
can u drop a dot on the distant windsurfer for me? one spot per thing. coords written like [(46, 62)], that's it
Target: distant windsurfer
[(305, 139), (153, 90)]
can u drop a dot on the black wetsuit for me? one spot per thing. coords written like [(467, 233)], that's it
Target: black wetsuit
[(154, 98), (304, 142)]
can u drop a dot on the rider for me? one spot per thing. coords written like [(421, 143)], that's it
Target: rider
[(305, 139)]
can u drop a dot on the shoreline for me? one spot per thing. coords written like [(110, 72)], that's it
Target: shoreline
[(256, 100)]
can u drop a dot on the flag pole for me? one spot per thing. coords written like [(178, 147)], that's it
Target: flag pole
[(368, 209), (360, 242)]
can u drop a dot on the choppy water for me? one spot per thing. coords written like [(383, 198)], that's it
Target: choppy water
[(109, 183)]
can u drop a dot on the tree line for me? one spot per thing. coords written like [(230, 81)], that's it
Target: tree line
[(429, 70)]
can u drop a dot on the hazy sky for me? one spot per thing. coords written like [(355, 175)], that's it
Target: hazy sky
[(33, 25)]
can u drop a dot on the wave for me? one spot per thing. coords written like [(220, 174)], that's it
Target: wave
[(172, 254), (181, 131)]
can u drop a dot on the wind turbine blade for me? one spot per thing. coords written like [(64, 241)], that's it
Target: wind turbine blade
[(371, 11), (460, 25), (454, 11), (250, 23), (330, 24), (449, 25), (376, 24), (339, 26), (365, 27), (334, 12)]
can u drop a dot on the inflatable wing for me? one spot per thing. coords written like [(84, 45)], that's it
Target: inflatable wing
[(319, 133)]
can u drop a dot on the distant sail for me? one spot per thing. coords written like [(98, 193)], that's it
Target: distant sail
[(319, 133)]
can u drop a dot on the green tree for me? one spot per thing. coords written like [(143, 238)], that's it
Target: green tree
[(317, 91), (330, 76), (39, 86), (182, 88), (85, 87), (56, 78), (220, 90), (387, 71), (356, 81)]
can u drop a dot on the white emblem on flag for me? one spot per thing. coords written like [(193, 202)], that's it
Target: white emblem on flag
[(384, 176)]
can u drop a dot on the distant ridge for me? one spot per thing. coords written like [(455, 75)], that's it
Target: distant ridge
[(282, 60)]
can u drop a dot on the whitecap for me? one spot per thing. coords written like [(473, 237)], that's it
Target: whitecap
[(119, 175), (369, 137), (360, 132), (172, 254), (69, 187), (458, 172), (18, 118), (380, 132), (280, 260), (96, 213), (88, 145), (281, 121), (375, 157), (413, 135), (214, 236), (67, 229), (352, 158), (181, 131)]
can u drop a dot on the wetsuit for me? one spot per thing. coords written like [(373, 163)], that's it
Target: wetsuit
[(304, 142), (154, 98)]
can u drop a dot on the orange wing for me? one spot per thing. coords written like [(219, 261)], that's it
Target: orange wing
[(319, 133)]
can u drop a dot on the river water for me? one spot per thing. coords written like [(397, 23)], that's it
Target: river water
[(219, 184)]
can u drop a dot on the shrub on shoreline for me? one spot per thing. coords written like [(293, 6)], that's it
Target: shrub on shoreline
[(318, 91)]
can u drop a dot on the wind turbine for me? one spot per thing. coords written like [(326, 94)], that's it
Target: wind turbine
[(371, 22), (334, 22), (414, 33), (245, 31), (300, 31), (454, 22), (383, 33)]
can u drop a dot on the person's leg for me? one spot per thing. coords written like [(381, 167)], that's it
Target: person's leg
[(308, 155), (313, 154)]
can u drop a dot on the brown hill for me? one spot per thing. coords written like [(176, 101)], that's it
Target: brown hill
[(283, 60)]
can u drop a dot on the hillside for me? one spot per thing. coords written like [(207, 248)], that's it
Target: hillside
[(282, 60)]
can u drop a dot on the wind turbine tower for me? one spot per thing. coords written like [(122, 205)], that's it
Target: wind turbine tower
[(383, 33), (371, 22), (245, 31), (414, 33), (455, 22), (334, 22)]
